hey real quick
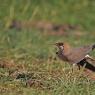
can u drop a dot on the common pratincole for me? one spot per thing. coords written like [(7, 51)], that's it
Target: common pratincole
[(77, 55)]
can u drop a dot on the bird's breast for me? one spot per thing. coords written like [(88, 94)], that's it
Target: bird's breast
[(61, 56)]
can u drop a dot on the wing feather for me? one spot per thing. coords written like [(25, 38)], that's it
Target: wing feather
[(78, 54)]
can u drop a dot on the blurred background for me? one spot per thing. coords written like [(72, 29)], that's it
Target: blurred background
[(27, 30)]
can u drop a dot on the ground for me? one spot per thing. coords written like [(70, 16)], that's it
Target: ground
[(27, 59)]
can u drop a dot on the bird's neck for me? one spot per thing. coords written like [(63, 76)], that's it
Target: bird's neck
[(61, 51), (64, 50)]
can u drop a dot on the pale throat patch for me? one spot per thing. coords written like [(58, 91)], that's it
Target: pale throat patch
[(62, 47)]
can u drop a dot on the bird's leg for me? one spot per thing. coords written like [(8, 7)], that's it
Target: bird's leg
[(73, 67), (78, 66), (89, 57)]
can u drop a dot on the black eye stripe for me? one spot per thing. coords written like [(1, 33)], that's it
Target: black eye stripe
[(60, 44), (56, 52)]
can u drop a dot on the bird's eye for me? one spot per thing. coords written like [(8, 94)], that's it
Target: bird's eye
[(61, 44), (56, 52)]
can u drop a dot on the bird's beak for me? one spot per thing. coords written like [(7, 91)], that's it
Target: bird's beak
[(53, 44)]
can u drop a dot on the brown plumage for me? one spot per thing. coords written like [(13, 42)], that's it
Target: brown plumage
[(73, 55), (76, 55)]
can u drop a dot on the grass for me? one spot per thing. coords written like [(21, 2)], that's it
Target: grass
[(29, 50)]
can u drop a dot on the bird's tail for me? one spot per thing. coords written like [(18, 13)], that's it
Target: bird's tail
[(93, 47), (87, 65)]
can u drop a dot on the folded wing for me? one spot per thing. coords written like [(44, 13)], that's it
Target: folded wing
[(78, 54)]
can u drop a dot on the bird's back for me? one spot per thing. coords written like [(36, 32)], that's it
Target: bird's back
[(78, 54)]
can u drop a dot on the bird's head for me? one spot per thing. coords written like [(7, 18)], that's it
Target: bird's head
[(64, 47), (60, 45)]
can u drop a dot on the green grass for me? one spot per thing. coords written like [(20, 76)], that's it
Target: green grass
[(29, 47)]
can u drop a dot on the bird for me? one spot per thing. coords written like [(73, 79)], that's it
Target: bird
[(75, 56)]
